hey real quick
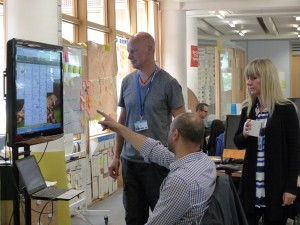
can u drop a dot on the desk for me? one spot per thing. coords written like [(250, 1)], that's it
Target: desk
[(234, 153), (217, 161), (235, 174)]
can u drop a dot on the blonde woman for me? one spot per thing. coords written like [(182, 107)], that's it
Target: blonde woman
[(269, 180)]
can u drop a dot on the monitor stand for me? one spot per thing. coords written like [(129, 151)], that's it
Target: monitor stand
[(16, 201)]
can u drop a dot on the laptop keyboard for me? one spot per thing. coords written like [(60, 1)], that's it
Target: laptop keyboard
[(51, 192)]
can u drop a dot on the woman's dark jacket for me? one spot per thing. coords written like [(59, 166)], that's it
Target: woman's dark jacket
[(282, 158)]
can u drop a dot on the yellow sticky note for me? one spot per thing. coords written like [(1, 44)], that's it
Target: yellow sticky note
[(98, 117), (101, 160), (75, 69), (64, 68), (107, 47)]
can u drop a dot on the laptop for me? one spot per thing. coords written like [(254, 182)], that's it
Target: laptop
[(35, 184)]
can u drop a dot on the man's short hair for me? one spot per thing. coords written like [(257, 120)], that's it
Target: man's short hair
[(200, 106), (190, 126)]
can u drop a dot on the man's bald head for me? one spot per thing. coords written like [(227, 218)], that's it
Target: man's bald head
[(143, 38), (141, 48)]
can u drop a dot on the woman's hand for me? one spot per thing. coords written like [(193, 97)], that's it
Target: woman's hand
[(288, 199), (247, 128)]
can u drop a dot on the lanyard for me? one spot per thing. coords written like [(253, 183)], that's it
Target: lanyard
[(142, 104)]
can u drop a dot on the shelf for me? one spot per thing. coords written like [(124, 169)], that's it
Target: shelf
[(78, 203), (75, 155)]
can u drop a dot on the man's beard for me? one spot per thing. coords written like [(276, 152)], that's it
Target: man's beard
[(171, 146)]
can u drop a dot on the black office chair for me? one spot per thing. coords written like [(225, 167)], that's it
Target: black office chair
[(225, 207)]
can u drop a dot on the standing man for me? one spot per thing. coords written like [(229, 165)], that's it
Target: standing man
[(149, 98), (202, 112)]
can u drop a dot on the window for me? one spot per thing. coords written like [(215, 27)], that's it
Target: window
[(96, 36), (67, 7), (96, 11), (141, 16), (68, 31), (122, 16), (226, 81), (68, 10)]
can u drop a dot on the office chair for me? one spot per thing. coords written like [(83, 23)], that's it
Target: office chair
[(225, 207)]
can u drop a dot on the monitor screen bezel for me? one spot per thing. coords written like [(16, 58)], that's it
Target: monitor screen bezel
[(226, 133), (35, 137)]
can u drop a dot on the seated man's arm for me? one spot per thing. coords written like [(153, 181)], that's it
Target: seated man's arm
[(152, 151), (133, 138)]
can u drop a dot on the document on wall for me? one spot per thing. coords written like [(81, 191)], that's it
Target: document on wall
[(73, 91)]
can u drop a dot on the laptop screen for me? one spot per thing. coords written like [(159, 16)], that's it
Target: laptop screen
[(31, 174)]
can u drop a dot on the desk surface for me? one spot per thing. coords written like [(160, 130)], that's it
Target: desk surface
[(217, 159)]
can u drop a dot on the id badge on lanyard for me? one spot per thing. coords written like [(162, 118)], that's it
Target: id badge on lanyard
[(142, 124)]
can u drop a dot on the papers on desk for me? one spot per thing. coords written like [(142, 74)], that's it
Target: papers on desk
[(231, 167), (3, 155), (215, 159), (51, 183), (5, 162)]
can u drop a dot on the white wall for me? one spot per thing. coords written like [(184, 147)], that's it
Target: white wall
[(191, 39), (34, 20), (173, 43), (278, 52)]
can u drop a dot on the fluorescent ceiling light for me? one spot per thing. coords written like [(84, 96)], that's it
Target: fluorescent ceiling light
[(220, 16), (298, 28), (297, 17), (231, 24), (241, 33)]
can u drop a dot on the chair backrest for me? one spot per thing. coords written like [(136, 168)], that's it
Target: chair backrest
[(225, 207)]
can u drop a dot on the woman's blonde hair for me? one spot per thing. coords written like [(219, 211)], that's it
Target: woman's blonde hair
[(270, 92)]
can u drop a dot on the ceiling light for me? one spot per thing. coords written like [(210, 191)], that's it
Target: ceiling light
[(220, 16), (231, 24), (298, 35), (241, 33), (298, 28), (297, 17)]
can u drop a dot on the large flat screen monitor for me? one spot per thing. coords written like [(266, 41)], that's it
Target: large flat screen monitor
[(34, 92), (231, 126)]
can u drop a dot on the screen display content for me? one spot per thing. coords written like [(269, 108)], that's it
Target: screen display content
[(231, 126), (34, 92)]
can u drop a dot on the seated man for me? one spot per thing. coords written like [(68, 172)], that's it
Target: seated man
[(185, 192)]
